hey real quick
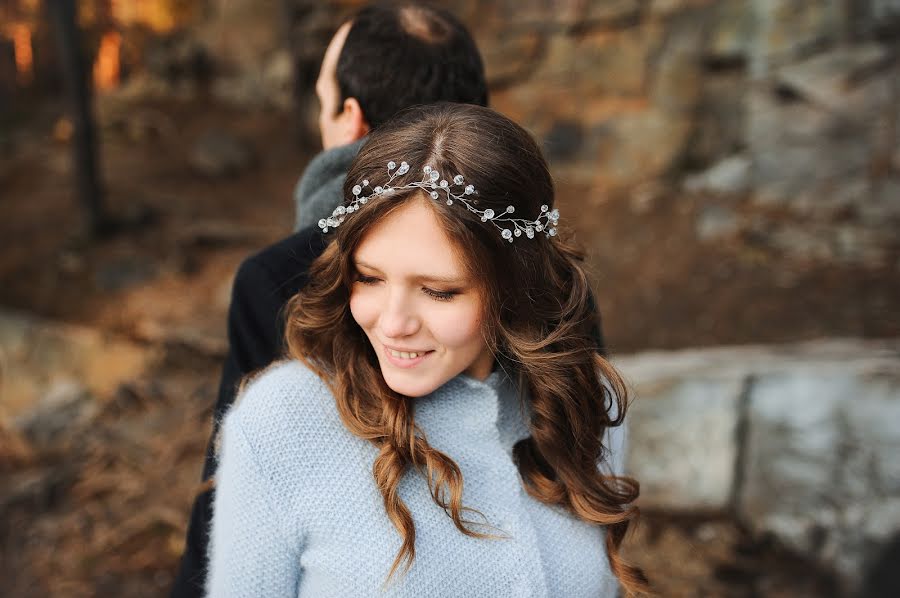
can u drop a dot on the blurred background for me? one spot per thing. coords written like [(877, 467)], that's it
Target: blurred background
[(731, 167)]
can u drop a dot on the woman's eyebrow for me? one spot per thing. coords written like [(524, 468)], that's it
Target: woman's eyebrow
[(441, 279), (359, 263), (458, 280)]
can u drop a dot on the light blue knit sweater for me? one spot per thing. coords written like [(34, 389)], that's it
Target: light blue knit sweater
[(297, 512)]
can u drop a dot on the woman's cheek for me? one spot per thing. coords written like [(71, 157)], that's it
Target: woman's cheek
[(458, 327), (363, 306)]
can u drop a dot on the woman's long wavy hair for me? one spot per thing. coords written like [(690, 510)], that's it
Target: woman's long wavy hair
[(539, 319)]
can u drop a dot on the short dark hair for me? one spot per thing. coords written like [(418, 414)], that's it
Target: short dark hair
[(397, 56)]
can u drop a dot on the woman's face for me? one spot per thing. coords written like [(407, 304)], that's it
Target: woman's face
[(415, 301)]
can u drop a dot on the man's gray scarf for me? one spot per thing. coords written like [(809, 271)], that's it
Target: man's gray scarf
[(320, 189)]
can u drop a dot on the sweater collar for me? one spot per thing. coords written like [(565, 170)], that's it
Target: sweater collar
[(465, 409), (327, 165)]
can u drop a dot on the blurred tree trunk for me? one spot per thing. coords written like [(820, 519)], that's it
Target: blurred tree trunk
[(78, 91)]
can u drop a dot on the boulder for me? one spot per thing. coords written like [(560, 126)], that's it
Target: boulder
[(729, 176), (218, 153), (822, 473)]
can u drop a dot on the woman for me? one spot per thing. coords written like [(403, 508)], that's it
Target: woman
[(444, 425)]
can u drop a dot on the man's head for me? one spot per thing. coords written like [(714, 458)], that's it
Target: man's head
[(388, 58)]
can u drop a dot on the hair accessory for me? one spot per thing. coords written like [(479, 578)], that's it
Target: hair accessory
[(454, 191)]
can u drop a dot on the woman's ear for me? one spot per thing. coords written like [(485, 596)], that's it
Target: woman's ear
[(354, 121)]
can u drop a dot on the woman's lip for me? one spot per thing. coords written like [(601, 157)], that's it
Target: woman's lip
[(405, 363)]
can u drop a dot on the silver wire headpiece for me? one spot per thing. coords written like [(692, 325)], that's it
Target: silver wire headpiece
[(454, 191)]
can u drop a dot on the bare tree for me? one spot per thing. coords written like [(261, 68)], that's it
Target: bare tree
[(88, 186)]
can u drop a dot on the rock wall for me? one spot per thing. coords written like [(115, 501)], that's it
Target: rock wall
[(799, 442), (784, 112)]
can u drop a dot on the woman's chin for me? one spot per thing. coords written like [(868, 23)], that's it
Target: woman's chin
[(410, 384)]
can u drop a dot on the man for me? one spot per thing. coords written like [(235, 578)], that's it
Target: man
[(383, 60)]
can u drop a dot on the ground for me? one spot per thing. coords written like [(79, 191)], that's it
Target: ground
[(101, 511)]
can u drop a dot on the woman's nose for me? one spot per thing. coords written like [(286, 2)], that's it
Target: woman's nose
[(398, 317)]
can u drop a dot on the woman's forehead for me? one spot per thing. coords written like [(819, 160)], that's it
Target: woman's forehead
[(411, 242)]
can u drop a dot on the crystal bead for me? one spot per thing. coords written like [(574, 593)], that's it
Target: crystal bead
[(357, 190), (449, 202), (510, 209), (554, 214), (378, 189), (552, 232), (517, 233), (427, 170), (489, 213), (392, 165), (434, 175), (458, 179), (444, 184), (365, 182), (529, 232), (322, 223), (507, 234), (434, 195), (544, 208), (538, 227), (404, 168), (341, 209), (363, 200), (470, 189)]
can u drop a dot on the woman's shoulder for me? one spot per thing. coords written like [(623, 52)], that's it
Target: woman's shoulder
[(285, 397)]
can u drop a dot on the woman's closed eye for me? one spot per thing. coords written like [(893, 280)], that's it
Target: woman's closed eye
[(439, 295), (433, 293), (366, 279)]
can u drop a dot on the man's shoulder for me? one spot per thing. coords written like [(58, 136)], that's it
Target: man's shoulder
[(282, 265), (298, 249)]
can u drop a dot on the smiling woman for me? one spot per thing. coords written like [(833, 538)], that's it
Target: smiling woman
[(418, 308), (445, 425)]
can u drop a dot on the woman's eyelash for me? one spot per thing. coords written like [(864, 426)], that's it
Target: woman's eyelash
[(439, 295)]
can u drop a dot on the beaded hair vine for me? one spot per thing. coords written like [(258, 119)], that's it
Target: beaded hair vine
[(433, 185)]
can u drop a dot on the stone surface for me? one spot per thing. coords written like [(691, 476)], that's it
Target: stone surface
[(821, 458), (124, 272), (677, 77), (731, 175), (720, 119), (66, 403), (53, 361), (178, 56), (665, 8), (800, 441), (675, 470), (220, 153), (787, 29), (716, 222), (555, 15), (826, 78), (600, 62), (241, 33), (510, 57), (798, 147), (733, 30), (640, 146)]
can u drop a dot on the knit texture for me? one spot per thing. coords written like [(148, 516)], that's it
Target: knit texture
[(321, 188), (297, 511)]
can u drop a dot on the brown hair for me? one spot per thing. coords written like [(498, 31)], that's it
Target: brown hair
[(539, 316)]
